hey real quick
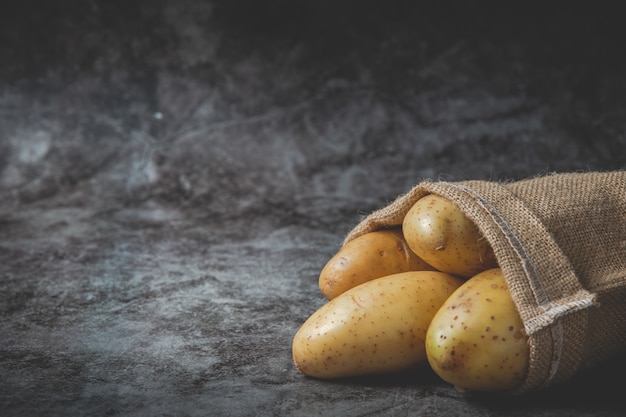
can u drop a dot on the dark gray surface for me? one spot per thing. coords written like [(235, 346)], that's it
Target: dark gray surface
[(173, 176)]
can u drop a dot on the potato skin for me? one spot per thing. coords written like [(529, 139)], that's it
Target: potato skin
[(372, 255), (376, 327), (476, 341), (440, 233)]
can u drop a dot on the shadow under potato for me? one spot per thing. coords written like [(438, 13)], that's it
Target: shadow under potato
[(584, 391)]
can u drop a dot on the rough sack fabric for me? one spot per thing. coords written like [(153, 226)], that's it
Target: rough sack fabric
[(560, 240)]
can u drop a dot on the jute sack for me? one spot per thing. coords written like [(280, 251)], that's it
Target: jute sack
[(560, 240)]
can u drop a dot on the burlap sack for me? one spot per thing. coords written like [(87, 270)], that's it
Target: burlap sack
[(561, 243)]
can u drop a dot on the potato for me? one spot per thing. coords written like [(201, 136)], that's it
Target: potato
[(372, 255), (376, 327), (440, 233), (476, 341)]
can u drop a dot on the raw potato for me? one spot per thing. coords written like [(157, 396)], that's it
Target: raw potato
[(476, 341), (372, 255), (376, 327), (440, 233)]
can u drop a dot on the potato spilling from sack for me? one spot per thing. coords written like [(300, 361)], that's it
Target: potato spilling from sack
[(376, 327), (429, 292), (440, 233), (372, 255), (476, 341)]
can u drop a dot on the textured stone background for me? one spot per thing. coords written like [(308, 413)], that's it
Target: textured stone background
[(173, 176)]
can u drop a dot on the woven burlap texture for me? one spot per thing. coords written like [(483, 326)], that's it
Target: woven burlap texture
[(560, 240)]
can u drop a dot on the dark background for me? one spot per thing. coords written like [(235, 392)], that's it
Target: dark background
[(173, 176)]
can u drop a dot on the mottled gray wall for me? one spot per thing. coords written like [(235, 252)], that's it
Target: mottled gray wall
[(195, 101)]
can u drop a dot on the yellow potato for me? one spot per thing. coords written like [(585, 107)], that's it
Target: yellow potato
[(372, 255), (476, 341), (376, 327), (440, 233)]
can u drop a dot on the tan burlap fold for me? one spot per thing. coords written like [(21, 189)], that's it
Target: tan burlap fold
[(560, 240)]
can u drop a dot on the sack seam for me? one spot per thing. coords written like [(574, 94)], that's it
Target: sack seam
[(527, 265), (536, 286)]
